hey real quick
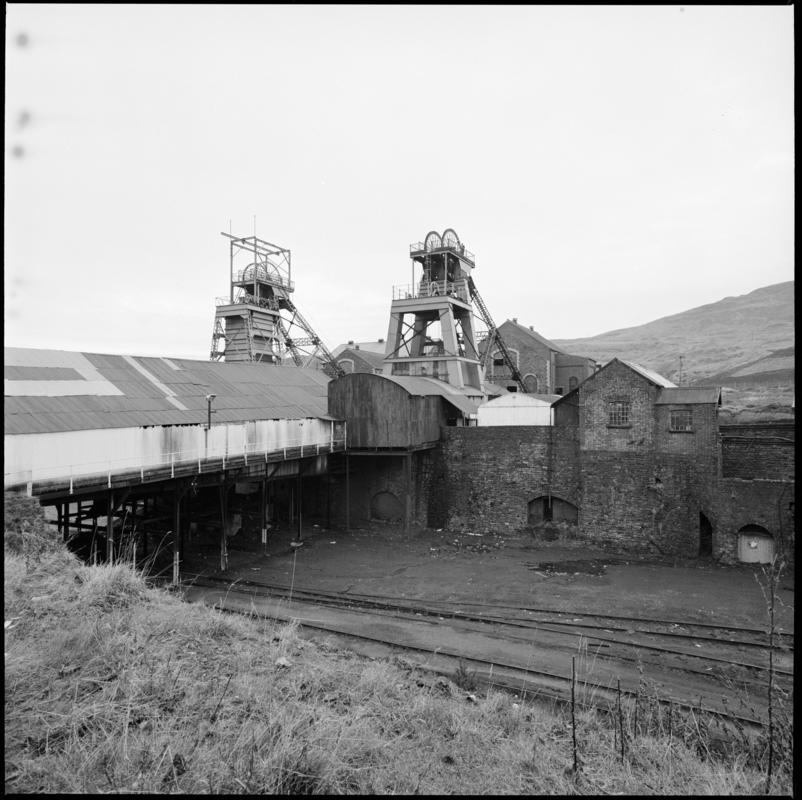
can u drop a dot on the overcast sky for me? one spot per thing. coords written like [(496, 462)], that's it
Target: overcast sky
[(607, 165)]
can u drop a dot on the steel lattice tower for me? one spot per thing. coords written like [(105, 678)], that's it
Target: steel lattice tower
[(258, 321)]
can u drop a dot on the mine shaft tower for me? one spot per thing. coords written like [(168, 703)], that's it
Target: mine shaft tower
[(431, 330), (258, 321)]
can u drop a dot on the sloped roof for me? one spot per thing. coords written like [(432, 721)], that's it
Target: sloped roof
[(376, 360), (534, 334), (379, 346), (688, 395), (56, 390), (424, 387), (650, 375), (522, 399)]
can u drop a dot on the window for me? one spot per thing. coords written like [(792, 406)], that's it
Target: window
[(680, 421), (498, 362), (572, 383), (618, 413)]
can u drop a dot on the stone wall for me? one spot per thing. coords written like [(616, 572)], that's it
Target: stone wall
[(753, 502), (490, 475)]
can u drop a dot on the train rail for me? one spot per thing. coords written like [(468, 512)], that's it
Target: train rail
[(513, 676)]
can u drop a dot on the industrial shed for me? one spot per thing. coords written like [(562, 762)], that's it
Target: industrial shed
[(74, 415), (394, 428), (142, 452), (516, 408)]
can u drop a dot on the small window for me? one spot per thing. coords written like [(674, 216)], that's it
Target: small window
[(558, 390), (498, 362), (618, 413), (572, 383), (680, 421)]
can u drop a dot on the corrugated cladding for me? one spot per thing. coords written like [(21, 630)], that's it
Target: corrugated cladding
[(244, 391), (688, 395)]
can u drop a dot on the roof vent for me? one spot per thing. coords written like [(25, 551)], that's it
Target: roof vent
[(356, 347), (381, 341), (515, 320), (350, 341), (531, 329)]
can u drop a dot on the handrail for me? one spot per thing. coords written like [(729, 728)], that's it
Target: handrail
[(417, 248), (458, 289), (273, 279), (178, 458)]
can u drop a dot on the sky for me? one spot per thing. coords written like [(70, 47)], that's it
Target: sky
[(607, 165)]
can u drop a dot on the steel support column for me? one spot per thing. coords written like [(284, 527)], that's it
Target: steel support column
[(110, 526), (176, 536)]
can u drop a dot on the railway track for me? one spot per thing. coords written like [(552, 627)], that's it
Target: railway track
[(603, 636)]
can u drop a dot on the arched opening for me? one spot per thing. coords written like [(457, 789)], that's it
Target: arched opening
[(705, 536), (531, 383), (385, 506), (755, 545), (573, 382), (551, 509)]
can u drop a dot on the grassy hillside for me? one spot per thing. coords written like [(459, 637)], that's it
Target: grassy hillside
[(114, 686), (717, 339)]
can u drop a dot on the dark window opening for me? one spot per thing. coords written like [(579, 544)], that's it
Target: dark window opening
[(618, 413), (680, 421)]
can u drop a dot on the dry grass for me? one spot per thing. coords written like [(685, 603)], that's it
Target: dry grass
[(113, 686)]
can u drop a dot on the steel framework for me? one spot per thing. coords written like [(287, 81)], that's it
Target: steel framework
[(259, 321)]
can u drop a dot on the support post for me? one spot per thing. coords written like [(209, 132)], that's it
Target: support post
[(110, 526), (176, 536), (347, 493), (300, 483), (223, 517), (64, 520), (408, 491), (263, 512)]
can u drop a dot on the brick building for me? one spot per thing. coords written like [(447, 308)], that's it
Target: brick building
[(546, 369), (632, 463)]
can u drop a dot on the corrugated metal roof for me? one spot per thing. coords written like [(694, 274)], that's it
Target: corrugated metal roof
[(244, 391), (654, 377), (431, 386), (688, 395)]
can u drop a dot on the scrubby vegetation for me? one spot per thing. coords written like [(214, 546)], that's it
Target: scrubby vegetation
[(115, 686)]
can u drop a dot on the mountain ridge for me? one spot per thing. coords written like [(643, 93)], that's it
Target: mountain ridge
[(715, 340)]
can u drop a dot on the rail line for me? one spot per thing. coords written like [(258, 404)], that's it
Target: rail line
[(498, 673), (553, 626)]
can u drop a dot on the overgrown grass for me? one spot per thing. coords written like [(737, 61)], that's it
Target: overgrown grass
[(113, 686)]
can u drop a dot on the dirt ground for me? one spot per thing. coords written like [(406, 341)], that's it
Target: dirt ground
[(436, 565)]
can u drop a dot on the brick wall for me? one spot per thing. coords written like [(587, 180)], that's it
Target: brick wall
[(617, 382), (491, 474), (753, 502), (645, 501), (533, 358), (372, 475), (762, 451)]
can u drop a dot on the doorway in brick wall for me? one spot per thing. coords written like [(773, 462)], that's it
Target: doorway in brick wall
[(705, 536)]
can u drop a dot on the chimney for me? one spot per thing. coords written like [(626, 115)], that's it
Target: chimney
[(381, 341), (356, 347), (531, 329), (350, 341), (515, 320)]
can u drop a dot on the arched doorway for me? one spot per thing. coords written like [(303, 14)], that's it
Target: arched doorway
[(755, 545), (705, 536), (385, 506), (551, 509)]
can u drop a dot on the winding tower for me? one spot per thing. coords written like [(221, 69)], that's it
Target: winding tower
[(431, 330), (259, 321)]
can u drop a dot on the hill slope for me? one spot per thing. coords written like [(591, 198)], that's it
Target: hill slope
[(751, 334)]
